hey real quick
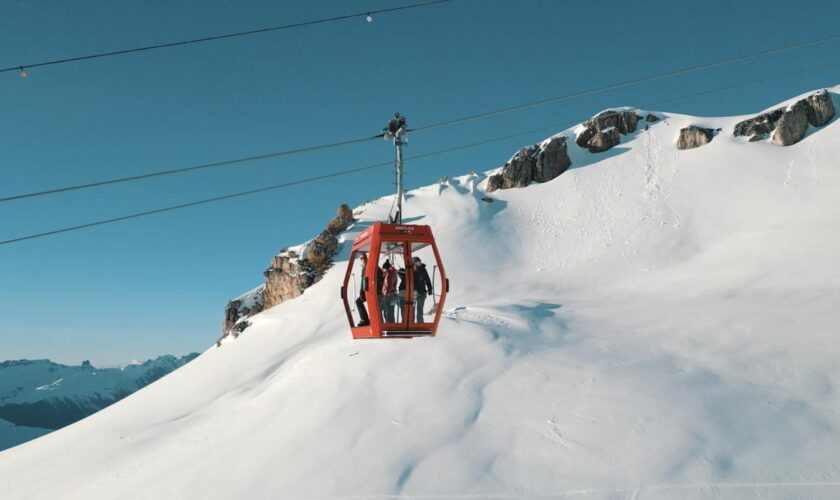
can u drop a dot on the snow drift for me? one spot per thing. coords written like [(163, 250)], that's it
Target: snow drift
[(653, 324)]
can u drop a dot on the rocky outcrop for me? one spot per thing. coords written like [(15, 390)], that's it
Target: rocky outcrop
[(291, 272), (585, 136), (537, 163), (517, 172), (597, 134), (759, 126), (651, 118), (604, 140), (792, 125), (624, 121), (693, 137), (240, 308), (341, 221), (820, 108), (789, 125), (553, 160), (286, 278)]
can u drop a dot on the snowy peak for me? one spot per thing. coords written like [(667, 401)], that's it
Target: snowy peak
[(46, 395)]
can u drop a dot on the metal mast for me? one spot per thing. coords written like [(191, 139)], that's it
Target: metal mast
[(396, 130)]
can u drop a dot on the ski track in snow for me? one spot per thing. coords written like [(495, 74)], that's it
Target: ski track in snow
[(652, 324)]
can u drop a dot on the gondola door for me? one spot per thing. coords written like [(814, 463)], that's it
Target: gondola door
[(429, 287), (392, 293)]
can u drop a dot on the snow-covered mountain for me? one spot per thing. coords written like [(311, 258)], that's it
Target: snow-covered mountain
[(654, 323), (39, 396)]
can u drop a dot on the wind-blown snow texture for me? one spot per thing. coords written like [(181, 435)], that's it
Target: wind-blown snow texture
[(652, 324)]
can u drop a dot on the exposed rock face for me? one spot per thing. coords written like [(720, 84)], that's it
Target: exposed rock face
[(604, 140), (321, 249), (651, 118), (597, 135), (341, 221), (552, 161), (537, 163), (789, 125), (517, 172), (693, 137), (820, 108), (242, 307), (290, 273), (759, 126), (583, 138), (792, 125), (624, 121), (286, 278)]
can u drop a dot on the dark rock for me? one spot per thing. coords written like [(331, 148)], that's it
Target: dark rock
[(820, 108), (789, 125), (232, 314), (602, 131), (793, 124), (651, 118), (624, 121), (237, 309), (519, 170), (693, 137), (494, 182), (322, 248), (537, 163), (759, 125), (552, 160), (240, 327), (583, 138), (341, 221), (604, 140)]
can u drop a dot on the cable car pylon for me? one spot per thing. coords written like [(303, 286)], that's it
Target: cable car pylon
[(396, 131), (394, 280)]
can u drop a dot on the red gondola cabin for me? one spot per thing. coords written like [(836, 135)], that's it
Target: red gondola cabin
[(402, 307)]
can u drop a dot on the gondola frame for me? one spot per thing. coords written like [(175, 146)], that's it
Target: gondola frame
[(370, 240)]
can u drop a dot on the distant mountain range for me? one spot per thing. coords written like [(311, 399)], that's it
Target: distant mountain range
[(39, 396)]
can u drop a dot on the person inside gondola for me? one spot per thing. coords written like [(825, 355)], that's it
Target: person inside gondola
[(401, 295), (389, 291), (364, 319), (422, 287)]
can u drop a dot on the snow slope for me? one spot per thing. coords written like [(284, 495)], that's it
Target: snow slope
[(652, 324)]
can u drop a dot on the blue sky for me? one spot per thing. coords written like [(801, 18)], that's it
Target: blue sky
[(159, 285)]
